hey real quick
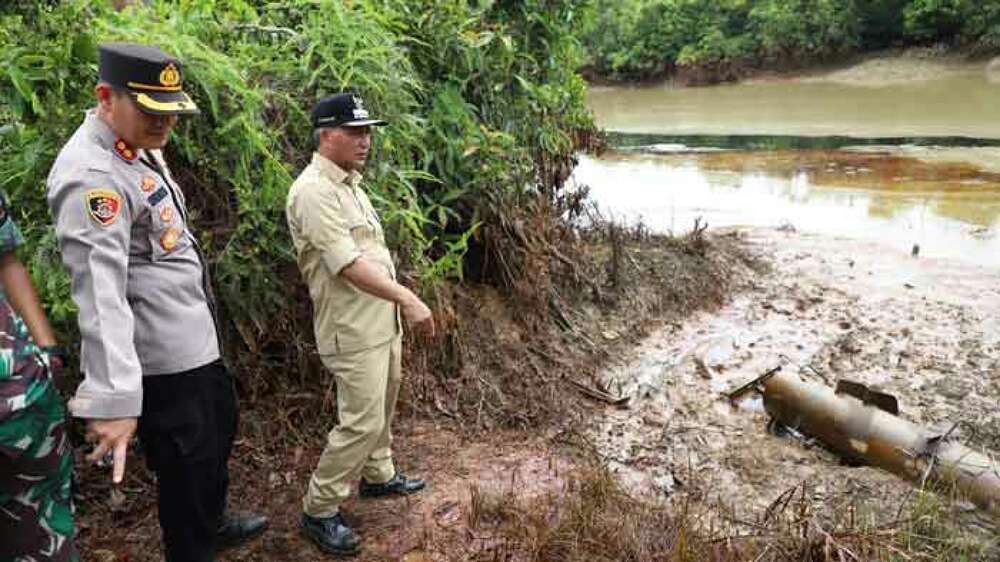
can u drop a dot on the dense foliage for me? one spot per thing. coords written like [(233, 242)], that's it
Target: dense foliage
[(629, 39), (485, 107)]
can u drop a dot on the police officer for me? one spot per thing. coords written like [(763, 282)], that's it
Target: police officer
[(36, 462), (352, 280), (150, 351)]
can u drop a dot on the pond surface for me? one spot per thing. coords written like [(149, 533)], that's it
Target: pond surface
[(946, 101), (908, 163)]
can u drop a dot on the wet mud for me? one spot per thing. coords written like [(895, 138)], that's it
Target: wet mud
[(924, 330)]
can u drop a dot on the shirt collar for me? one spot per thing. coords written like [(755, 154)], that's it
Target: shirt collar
[(334, 172), (99, 129), (106, 137)]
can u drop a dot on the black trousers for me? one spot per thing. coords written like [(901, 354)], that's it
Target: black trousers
[(187, 427)]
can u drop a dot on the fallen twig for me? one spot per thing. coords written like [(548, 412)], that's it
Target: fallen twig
[(598, 394), (752, 385)]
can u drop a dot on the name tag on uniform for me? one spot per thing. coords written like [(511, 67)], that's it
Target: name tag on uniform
[(157, 196)]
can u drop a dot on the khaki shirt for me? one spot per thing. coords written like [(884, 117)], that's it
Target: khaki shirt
[(138, 278), (332, 224)]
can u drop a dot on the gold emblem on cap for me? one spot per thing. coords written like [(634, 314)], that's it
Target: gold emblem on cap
[(170, 77), (148, 183)]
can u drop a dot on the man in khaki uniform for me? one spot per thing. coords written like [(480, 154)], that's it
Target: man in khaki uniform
[(357, 301)]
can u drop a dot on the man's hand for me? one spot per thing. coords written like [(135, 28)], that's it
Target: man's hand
[(418, 316), (111, 435), (375, 280)]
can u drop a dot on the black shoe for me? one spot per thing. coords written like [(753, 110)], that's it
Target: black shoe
[(398, 484), (330, 534), (238, 527)]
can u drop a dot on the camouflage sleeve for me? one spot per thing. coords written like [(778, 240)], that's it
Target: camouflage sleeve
[(93, 225), (10, 235)]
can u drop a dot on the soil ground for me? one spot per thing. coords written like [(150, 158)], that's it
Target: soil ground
[(923, 330), (489, 427), (432, 525), (918, 328)]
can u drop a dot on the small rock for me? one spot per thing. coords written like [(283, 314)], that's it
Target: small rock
[(654, 420), (417, 556), (103, 555)]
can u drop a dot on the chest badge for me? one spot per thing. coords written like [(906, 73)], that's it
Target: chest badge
[(168, 240), (104, 205), (148, 183), (124, 151), (167, 214)]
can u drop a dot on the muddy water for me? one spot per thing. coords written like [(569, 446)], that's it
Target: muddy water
[(925, 99), (924, 170), (949, 208)]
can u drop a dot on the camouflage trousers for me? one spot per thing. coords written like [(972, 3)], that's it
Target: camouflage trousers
[(36, 463)]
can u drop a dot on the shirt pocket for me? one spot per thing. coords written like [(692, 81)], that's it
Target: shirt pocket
[(359, 225), (168, 233), (362, 233)]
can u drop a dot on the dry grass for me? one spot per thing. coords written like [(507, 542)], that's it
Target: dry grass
[(594, 519)]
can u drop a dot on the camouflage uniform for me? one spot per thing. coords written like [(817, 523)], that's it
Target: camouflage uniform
[(36, 508)]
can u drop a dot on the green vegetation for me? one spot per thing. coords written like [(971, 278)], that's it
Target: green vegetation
[(722, 39), (485, 107)]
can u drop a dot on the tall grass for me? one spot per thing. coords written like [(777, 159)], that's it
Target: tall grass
[(483, 100), (592, 518)]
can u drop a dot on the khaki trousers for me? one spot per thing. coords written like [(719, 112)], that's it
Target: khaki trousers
[(361, 443)]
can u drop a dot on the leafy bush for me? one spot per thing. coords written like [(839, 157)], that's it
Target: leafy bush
[(804, 29), (933, 20), (482, 97), (638, 39)]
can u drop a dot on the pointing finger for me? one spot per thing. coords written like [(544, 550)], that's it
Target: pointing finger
[(119, 470)]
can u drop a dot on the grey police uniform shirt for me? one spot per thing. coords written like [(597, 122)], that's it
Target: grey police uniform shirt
[(137, 276)]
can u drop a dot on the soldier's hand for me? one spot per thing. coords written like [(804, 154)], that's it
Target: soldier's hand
[(111, 436), (418, 316)]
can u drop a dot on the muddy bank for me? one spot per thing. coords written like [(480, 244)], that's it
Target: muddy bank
[(519, 375), (922, 329)]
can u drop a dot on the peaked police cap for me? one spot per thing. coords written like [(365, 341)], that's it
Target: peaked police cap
[(152, 77), (342, 110)]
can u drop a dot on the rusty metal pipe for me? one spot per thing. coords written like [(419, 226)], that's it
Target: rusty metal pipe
[(860, 432)]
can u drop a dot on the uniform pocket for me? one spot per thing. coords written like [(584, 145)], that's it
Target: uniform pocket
[(362, 233), (167, 239)]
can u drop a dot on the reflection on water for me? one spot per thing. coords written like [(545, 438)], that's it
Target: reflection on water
[(949, 209), (899, 149)]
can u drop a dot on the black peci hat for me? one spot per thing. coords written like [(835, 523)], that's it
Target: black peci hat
[(150, 75), (342, 110)]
